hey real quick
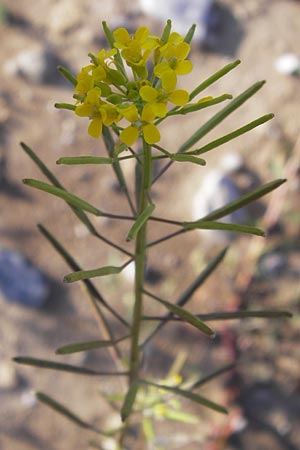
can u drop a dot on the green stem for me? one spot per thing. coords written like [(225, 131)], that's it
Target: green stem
[(140, 261)]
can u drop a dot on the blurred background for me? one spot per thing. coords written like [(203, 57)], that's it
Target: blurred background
[(39, 313)]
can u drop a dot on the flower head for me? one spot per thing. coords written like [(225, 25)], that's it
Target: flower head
[(106, 95)]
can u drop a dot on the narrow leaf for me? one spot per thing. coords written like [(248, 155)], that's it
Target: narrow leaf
[(228, 137), (221, 115), (91, 289), (61, 409), (73, 160), (185, 315), (245, 315), (203, 276), (211, 376), (129, 401), (187, 294), (43, 168), (67, 75), (61, 193), (53, 365), (244, 200), (140, 221), (190, 395), (213, 78), (67, 106), (86, 274), (210, 225), (182, 157), (84, 346), (51, 177)]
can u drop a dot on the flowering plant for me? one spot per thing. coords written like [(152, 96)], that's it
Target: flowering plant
[(126, 92)]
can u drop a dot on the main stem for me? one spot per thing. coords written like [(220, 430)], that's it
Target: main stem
[(140, 262)]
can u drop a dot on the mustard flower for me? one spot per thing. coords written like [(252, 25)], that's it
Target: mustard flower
[(175, 52), (136, 49), (99, 112), (143, 124)]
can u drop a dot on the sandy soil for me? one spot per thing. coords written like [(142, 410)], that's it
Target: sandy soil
[(263, 390)]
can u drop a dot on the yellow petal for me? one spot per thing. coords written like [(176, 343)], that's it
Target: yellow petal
[(130, 113), (95, 127), (148, 93), (141, 34), (169, 80), (179, 97), (184, 67), (151, 133), (148, 113), (129, 135), (182, 50), (121, 35), (160, 109), (84, 110), (161, 68)]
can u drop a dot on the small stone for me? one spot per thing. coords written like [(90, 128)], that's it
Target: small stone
[(183, 13), (20, 281), (8, 376), (64, 16), (288, 64), (38, 65)]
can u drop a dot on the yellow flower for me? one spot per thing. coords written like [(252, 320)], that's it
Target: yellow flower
[(143, 124), (136, 49), (159, 97), (174, 52), (99, 112)]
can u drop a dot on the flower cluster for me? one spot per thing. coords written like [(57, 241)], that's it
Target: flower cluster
[(132, 104)]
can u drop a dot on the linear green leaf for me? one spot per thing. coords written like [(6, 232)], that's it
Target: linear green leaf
[(187, 294), (213, 78), (84, 346), (67, 106), (221, 115), (189, 395), (182, 157), (140, 221), (129, 401), (53, 365), (86, 274), (67, 75), (61, 193), (185, 315), (210, 225), (74, 160), (58, 407), (91, 289), (244, 200), (228, 137), (211, 376), (268, 314), (78, 212), (203, 276)]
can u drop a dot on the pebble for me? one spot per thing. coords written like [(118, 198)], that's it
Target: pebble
[(8, 375), (37, 65), (288, 64), (216, 190), (20, 281), (183, 14)]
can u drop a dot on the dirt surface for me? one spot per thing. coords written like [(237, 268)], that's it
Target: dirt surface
[(263, 391)]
